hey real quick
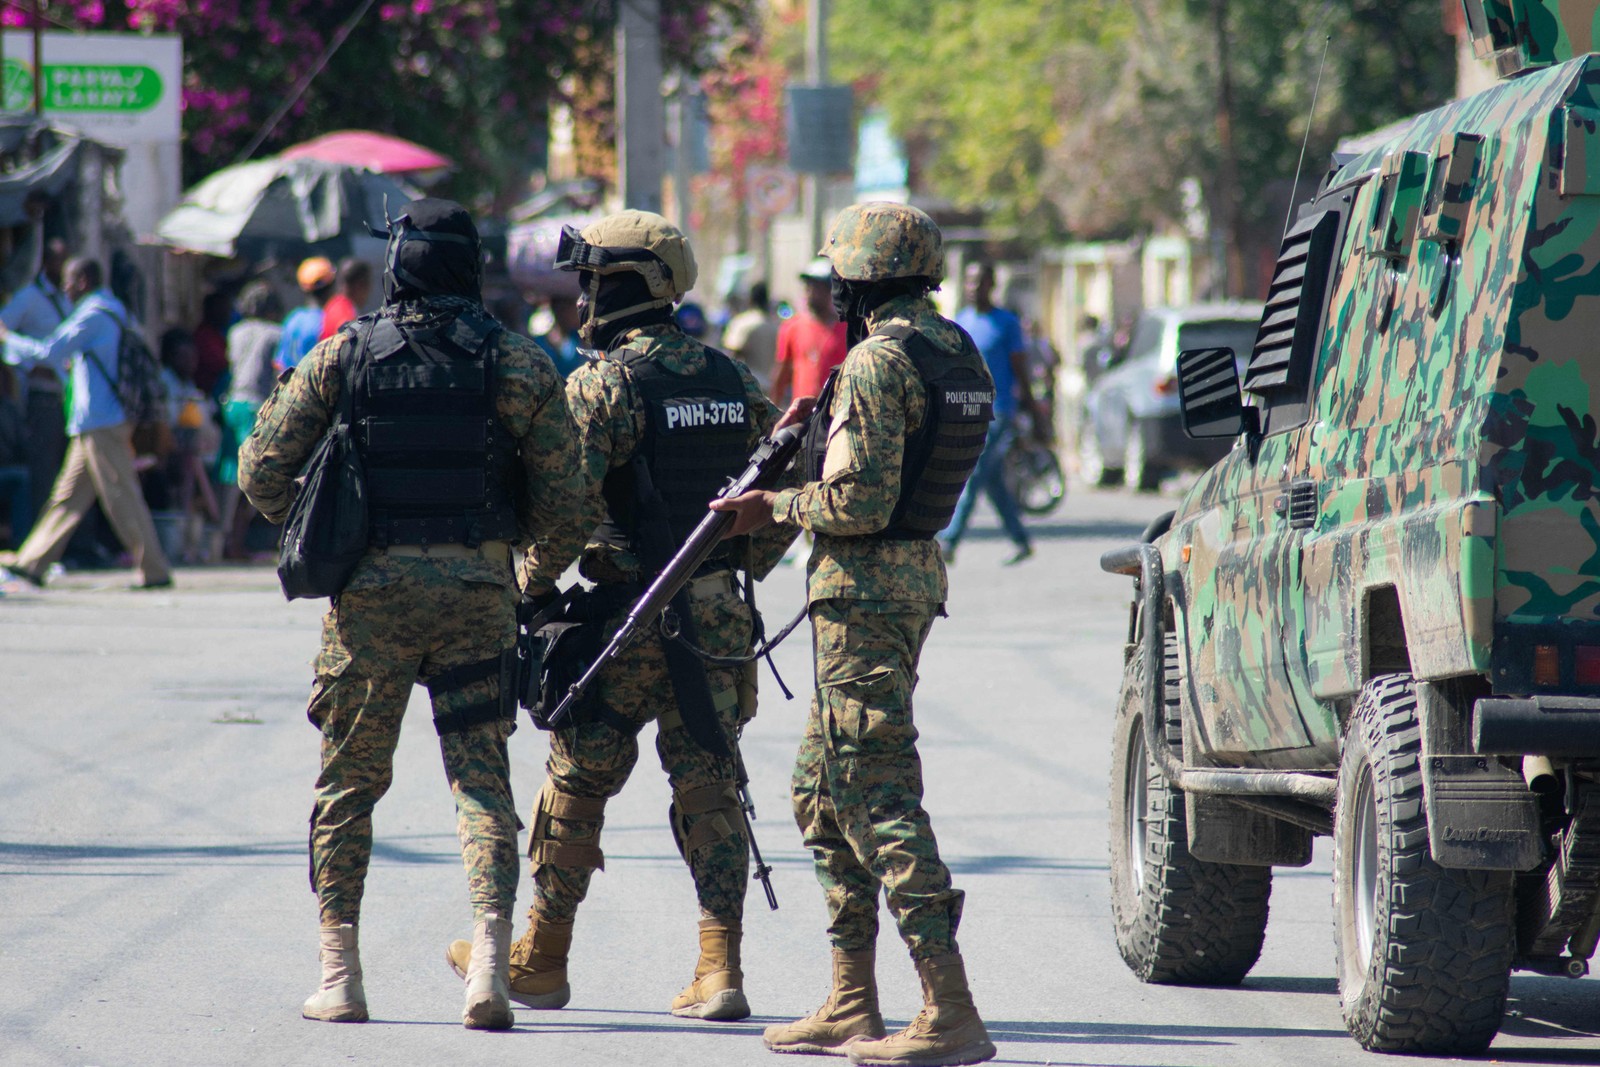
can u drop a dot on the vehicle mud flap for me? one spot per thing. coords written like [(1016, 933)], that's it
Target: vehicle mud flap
[(1481, 814), (1221, 831)]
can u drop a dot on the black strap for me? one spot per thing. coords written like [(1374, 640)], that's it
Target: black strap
[(603, 712), (101, 367), (455, 722), (452, 678), (690, 686), (455, 679)]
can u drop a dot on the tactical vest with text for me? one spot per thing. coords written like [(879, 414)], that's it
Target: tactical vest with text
[(943, 452), (697, 437), (441, 469)]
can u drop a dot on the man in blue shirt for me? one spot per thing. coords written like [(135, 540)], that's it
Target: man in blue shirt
[(303, 327), (998, 335), (99, 461)]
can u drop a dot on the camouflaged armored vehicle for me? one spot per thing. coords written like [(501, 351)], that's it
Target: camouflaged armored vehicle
[(1378, 617)]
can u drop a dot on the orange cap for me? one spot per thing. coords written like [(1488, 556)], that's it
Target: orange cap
[(314, 273)]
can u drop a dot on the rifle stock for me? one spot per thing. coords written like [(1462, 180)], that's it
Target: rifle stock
[(766, 464)]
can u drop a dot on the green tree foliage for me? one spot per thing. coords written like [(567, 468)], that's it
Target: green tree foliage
[(1086, 116), (969, 88)]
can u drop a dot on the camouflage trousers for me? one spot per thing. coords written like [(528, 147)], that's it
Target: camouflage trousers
[(589, 763), (858, 780), (377, 640)]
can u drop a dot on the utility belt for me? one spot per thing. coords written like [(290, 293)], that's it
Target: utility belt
[(494, 551), (434, 533), (556, 645)]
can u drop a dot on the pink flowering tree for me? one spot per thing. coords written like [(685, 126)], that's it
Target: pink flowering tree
[(474, 79)]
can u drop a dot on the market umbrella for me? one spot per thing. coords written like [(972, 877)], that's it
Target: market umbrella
[(282, 208), (375, 151)]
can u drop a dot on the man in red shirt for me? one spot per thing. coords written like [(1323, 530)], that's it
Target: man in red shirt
[(355, 286), (812, 341)]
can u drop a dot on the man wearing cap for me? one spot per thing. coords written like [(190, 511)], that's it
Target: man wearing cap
[(468, 455), (303, 327), (812, 341), (663, 421)]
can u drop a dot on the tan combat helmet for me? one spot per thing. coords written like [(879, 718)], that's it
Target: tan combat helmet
[(879, 240), (638, 241)]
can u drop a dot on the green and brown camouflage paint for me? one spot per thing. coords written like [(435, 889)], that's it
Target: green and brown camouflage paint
[(1450, 442)]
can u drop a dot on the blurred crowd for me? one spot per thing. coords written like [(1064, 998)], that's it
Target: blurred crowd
[(218, 371)]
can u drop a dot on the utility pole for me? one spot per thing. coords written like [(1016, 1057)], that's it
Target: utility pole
[(816, 74), (641, 114), (38, 57), (684, 101), (1234, 281)]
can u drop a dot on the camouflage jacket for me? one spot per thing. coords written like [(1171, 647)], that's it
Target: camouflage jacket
[(610, 417), (529, 401), (878, 403)]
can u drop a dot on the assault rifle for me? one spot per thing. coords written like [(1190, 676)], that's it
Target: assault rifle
[(766, 464)]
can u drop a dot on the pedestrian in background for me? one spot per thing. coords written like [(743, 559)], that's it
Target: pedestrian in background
[(354, 289), (560, 339), (211, 344), (303, 326), (811, 342), (453, 401), (252, 341), (99, 461), (35, 310), (16, 488), (752, 335), (885, 465), (998, 335)]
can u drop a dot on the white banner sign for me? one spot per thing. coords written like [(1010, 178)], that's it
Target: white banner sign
[(122, 89)]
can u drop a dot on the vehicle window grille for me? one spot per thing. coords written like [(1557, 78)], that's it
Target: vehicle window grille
[(1286, 342)]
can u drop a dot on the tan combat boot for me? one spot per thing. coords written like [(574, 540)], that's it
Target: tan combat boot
[(538, 964), (340, 998), (488, 1006), (850, 1011), (946, 1032), (717, 991)]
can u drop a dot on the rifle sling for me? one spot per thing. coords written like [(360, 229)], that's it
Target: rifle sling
[(690, 686)]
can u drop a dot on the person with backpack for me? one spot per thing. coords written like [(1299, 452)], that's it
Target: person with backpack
[(92, 342)]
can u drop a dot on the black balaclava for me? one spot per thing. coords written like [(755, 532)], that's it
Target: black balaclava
[(853, 301), (623, 289), (433, 251)]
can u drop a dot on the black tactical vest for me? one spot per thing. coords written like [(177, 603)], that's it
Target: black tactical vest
[(697, 436), (943, 452), (441, 469)]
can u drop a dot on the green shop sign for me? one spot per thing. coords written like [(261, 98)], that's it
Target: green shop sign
[(82, 87)]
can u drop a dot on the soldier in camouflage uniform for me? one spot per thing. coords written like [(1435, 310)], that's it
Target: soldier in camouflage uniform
[(434, 598), (896, 435), (652, 381)]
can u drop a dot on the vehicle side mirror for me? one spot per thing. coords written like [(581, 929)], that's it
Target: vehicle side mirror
[(1209, 397)]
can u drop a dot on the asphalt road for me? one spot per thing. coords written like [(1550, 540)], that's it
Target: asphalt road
[(155, 770)]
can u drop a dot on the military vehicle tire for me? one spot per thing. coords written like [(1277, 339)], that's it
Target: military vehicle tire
[(1092, 459), (1178, 920), (1423, 952), (1137, 470)]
